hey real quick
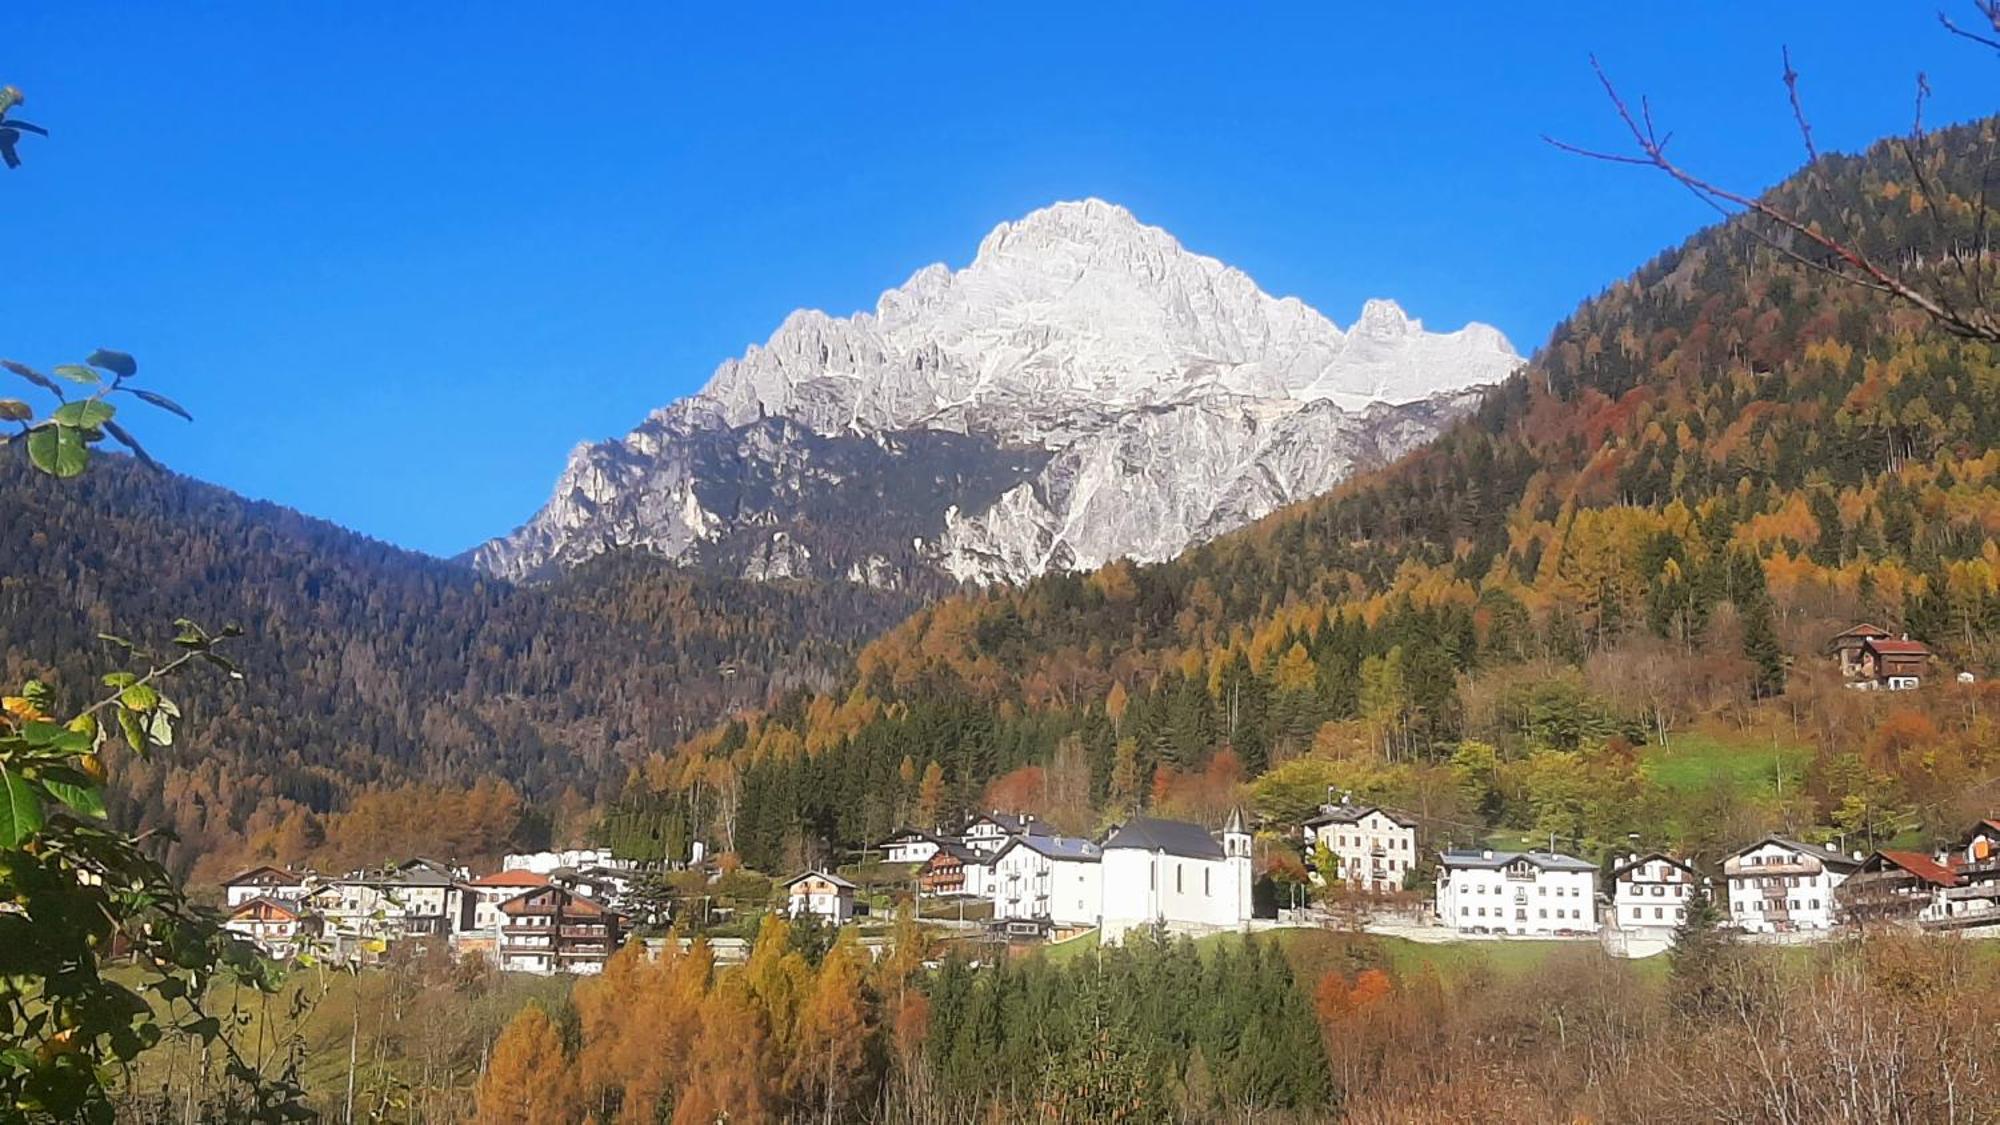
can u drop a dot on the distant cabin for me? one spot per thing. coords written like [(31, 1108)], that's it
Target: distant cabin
[(821, 894), (1873, 659), (1846, 646)]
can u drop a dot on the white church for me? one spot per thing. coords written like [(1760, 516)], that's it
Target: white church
[(1176, 877)]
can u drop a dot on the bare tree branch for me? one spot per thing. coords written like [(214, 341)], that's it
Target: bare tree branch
[(1989, 10), (1798, 111), (1977, 323)]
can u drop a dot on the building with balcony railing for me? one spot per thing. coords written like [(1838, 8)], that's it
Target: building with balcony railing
[(1896, 888), (551, 930), (1779, 885), (1973, 902)]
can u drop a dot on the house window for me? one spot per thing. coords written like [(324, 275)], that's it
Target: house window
[(1206, 889), (1177, 878)]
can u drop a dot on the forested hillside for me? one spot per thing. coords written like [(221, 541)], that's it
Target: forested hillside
[(1705, 471), (432, 707)]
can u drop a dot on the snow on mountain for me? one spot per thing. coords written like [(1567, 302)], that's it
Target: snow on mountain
[(1090, 389)]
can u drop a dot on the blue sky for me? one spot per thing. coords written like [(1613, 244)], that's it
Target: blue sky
[(398, 259)]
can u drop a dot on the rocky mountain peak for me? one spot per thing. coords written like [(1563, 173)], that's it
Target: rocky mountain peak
[(1079, 342)]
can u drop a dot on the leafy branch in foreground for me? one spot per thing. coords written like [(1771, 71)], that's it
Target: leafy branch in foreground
[(77, 892), (59, 442)]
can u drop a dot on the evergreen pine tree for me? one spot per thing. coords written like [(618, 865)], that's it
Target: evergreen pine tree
[(1760, 645), (1695, 959)]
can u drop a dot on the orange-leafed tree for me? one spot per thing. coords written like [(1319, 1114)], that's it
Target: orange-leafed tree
[(726, 1070), (528, 1081), (825, 1072)]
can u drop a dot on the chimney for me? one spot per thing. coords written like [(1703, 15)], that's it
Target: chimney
[(1487, 854)]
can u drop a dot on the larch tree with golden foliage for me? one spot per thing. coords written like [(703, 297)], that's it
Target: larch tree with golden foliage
[(528, 1081)]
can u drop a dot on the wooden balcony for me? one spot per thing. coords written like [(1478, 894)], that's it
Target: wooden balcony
[(1804, 865)]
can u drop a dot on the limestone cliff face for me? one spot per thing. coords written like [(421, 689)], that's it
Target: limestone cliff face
[(1085, 390)]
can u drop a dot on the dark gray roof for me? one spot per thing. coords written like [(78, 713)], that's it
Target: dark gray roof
[(965, 853), (907, 833), (1012, 824), (1174, 837), (1490, 860), (1825, 855), (1055, 847), (1350, 814)]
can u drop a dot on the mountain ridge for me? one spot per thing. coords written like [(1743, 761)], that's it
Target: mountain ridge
[(1067, 325)]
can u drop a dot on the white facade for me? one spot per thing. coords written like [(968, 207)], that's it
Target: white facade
[(1376, 849), (827, 896), (541, 863), (1518, 893), (492, 890), (978, 875), (1181, 880), (909, 846), (1052, 878), (1783, 886), (264, 882), (1649, 895)]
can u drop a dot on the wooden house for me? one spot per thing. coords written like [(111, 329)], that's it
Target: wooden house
[(276, 926), (1893, 887), (1846, 646), (552, 930)]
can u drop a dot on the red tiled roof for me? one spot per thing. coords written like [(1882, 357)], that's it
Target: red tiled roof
[(1900, 648), (511, 879), (1922, 866)]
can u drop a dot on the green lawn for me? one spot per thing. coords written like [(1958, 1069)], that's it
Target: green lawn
[(1691, 762), (1063, 952), (1313, 951)]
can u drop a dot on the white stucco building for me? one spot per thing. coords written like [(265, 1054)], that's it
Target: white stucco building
[(264, 882), (1376, 847), (910, 845), (1540, 894), (1175, 876), (820, 893), (489, 891), (990, 831), (1779, 885), (542, 863), (1055, 881), (1649, 896)]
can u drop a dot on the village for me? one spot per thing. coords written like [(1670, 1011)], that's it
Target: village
[(1011, 878)]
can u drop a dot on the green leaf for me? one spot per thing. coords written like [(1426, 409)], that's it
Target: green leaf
[(88, 413), (77, 373), (120, 679), (160, 728), (20, 810), (39, 733), (118, 363), (139, 697), (135, 735), (14, 410), (58, 450), (162, 401), (83, 798)]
